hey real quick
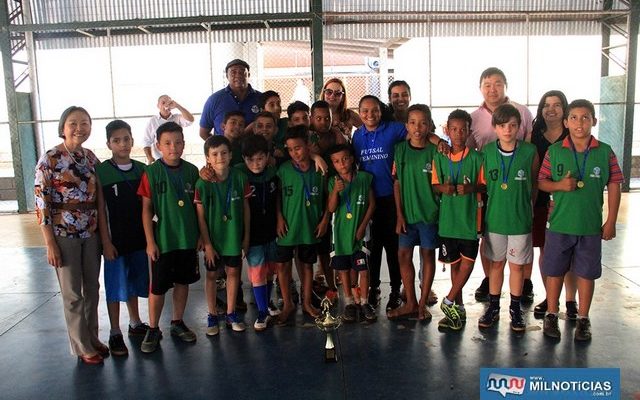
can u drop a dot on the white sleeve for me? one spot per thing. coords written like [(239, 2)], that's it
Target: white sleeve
[(182, 121), (149, 137)]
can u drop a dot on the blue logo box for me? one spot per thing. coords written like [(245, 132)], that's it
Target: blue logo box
[(549, 383)]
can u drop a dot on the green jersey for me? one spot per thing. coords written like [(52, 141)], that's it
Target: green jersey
[(353, 202), (459, 215), (413, 170), (509, 188), (223, 204), (302, 203), (171, 190), (579, 212)]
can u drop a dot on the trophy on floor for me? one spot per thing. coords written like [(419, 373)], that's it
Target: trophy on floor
[(328, 323)]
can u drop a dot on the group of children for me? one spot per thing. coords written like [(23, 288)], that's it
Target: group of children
[(263, 198)]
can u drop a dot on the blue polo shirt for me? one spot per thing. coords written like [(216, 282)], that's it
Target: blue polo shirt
[(374, 153), (223, 101)]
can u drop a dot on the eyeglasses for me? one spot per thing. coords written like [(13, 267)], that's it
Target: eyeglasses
[(330, 92)]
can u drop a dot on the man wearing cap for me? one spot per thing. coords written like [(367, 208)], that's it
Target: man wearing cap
[(237, 96)]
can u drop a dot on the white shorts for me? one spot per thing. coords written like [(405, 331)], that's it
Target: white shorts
[(517, 249)]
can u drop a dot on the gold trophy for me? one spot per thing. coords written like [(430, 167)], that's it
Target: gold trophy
[(328, 323)]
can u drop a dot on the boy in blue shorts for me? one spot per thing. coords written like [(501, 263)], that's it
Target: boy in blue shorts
[(301, 221), (509, 170), (126, 268), (416, 210), (352, 202), (456, 176), (263, 192), (167, 189), (576, 171)]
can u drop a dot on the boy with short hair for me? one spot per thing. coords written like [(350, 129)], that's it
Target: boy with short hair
[(352, 202), (270, 102), (300, 218), (263, 185), (455, 176), (126, 268), (509, 170), (576, 171), (298, 114), (416, 210), (167, 188), (233, 130), (165, 105), (223, 219), (266, 125)]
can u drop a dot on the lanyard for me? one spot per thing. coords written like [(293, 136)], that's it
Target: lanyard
[(307, 192), (176, 181), (227, 203), (582, 170), (505, 175), (346, 195), (124, 176), (455, 177)]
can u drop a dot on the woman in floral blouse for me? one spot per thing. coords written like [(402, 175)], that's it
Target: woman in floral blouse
[(67, 201)]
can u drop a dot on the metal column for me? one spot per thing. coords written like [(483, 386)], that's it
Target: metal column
[(317, 72), (632, 54)]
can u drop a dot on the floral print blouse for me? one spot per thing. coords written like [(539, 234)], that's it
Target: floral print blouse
[(66, 193)]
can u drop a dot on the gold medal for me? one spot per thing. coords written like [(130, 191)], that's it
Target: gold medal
[(307, 203), (181, 203), (580, 184), (504, 186), (224, 218), (349, 215)]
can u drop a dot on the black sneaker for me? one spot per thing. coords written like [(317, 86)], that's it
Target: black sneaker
[(482, 292), (369, 312), (394, 300), (117, 346), (540, 309), (374, 296), (517, 321), (550, 326), (572, 310), (138, 330), (180, 330), (350, 313), (489, 318), (527, 292), (583, 330), (151, 340)]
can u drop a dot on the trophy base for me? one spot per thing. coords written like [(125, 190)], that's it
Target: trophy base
[(330, 356)]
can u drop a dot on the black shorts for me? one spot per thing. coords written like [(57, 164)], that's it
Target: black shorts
[(357, 261), (307, 253), (178, 266), (224, 261), (452, 250), (324, 247)]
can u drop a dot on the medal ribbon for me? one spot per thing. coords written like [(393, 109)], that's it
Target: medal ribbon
[(455, 177), (175, 176), (505, 176), (307, 193), (582, 170), (227, 203), (346, 193)]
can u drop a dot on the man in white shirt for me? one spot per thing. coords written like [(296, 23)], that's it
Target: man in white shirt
[(165, 105)]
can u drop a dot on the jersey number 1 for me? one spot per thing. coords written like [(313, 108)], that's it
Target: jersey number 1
[(115, 189)]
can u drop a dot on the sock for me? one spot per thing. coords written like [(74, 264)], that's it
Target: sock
[(134, 323), (260, 294), (494, 300), (115, 331), (447, 301), (515, 302), (348, 300), (583, 317)]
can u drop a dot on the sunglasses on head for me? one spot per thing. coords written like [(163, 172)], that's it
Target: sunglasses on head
[(331, 92)]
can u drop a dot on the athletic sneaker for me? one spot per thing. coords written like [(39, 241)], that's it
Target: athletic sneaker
[(541, 309), (490, 317), (432, 299), (262, 322), (273, 310), (451, 313), (213, 328), (138, 330), (550, 326), (462, 313), (527, 292), (350, 313), (395, 300), (583, 330), (180, 330), (369, 312), (482, 292), (234, 322), (443, 323), (374, 296), (517, 321), (151, 340), (117, 346), (572, 310)]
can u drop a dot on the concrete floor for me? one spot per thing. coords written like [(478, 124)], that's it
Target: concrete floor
[(383, 360)]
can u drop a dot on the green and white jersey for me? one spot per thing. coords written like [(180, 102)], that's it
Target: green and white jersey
[(412, 168), (509, 189), (353, 200), (459, 215), (223, 204), (302, 203)]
